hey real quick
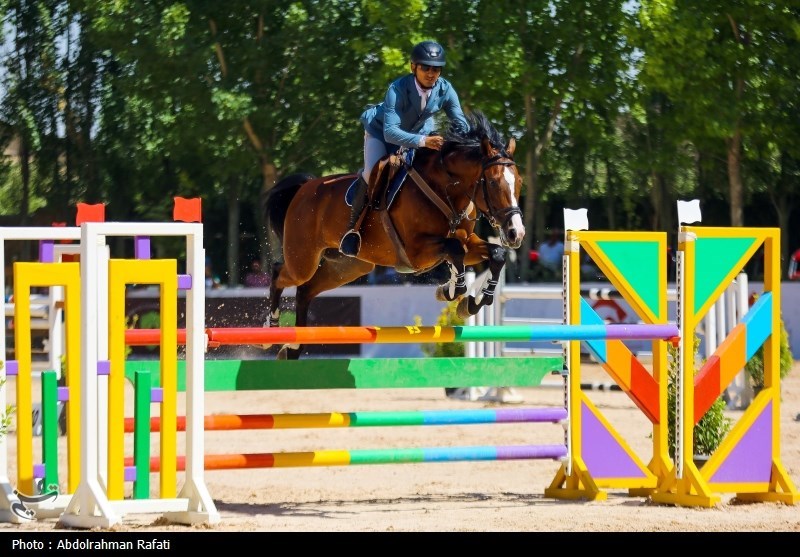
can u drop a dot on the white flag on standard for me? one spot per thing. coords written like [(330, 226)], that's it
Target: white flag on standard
[(689, 212), (576, 219)]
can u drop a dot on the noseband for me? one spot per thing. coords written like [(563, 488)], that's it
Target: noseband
[(499, 217)]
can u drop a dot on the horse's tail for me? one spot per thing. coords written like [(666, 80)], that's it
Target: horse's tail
[(279, 198)]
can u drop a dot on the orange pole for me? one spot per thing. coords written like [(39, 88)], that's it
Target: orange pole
[(149, 337), (218, 462), (218, 422)]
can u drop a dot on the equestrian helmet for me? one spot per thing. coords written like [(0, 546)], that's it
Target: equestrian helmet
[(429, 53)]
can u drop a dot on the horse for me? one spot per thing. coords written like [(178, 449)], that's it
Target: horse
[(430, 220)]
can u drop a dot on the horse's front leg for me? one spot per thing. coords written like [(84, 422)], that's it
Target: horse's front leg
[(457, 285), (496, 256)]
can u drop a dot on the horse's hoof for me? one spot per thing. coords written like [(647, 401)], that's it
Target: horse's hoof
[(462, 310), (443, 293), (283, 354), (468, 307)]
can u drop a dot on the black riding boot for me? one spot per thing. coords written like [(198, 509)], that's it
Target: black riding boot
[(351, 241)]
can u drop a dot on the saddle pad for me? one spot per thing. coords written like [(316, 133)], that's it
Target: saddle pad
[(351, 191), (394, 187)]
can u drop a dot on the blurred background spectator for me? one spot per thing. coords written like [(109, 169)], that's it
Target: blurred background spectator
[(551, 251), (256, 277), (794, 265), (212, 280)]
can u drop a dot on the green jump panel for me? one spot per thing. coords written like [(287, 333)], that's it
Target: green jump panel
[(362, 373)]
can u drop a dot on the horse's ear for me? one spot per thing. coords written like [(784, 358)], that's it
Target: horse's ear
[(512, 144), (486, 146)]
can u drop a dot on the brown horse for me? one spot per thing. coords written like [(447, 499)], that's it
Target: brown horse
[(431, 220)]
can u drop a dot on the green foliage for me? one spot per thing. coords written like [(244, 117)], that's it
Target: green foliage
[(755, 366), (712, 427), (618, 106), (447, 318), (5, 418)]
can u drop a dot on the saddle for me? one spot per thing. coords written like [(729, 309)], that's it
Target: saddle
[(385, 181)]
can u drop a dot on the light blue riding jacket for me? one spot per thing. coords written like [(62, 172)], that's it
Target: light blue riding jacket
[(399, 121)]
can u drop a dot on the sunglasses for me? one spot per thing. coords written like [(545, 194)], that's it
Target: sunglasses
[(427, 68)]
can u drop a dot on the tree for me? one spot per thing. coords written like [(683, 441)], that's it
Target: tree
[(33, 90), (555, 71)]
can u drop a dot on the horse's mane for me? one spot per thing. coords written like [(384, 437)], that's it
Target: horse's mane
[(457, 138)]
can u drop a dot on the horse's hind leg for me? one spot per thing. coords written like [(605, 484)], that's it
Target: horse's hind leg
[(457, 285), (335, 270), (274, 305), (302, 303), (471, 305)]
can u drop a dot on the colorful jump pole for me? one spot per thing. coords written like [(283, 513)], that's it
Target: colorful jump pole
[(138, 468), (419, 334), (374, 456), (231, 422)]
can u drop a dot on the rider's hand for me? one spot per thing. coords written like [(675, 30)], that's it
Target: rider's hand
[(434, 142)]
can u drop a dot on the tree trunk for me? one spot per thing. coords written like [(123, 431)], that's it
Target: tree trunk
[(783, 210), (611, 194), (529, 210), (735, 142), (659, 194), (735, 177), (26, 251), (25, 173), (232, 251), (783, 202), (532, 193)]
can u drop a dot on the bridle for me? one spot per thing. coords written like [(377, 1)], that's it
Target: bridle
[(496, 218)]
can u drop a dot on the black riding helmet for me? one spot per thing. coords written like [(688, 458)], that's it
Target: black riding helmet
[(429, 53)]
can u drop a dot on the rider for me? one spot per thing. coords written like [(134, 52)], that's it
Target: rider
[(404, 119)]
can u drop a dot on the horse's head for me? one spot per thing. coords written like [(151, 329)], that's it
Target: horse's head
[(499, 190), (481, 160)]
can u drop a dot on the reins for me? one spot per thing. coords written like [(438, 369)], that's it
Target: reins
[(455, 217)]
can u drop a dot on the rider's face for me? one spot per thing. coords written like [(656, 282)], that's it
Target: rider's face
[(426, 75)]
